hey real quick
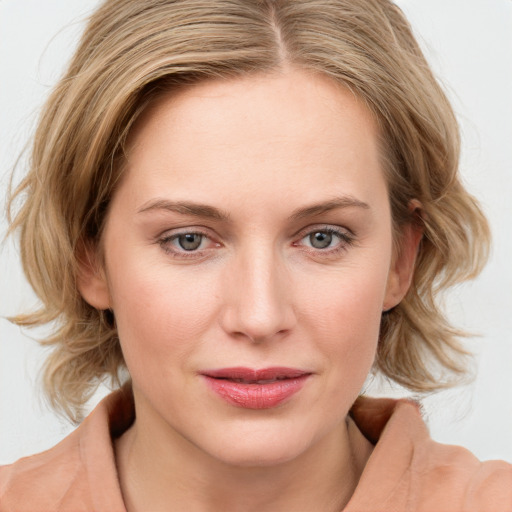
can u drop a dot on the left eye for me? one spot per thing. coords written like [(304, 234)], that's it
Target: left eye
[(320, 239), (325, 239)]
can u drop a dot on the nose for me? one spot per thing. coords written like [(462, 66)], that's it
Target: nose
[(258, 297)]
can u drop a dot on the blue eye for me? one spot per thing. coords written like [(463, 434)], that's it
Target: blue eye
[(327, 239), (185, 243), (189, 241), (320, 239)]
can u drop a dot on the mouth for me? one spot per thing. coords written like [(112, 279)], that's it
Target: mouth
[(256, 389), (250, 376)]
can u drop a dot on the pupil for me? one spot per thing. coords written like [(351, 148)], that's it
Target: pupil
[(190, 241), (320, 240)]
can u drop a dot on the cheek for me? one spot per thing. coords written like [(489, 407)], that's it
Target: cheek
[(160, 313), (343, 318), (348, 300)]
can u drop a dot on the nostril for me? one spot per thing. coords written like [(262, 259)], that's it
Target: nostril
[(259, 308)]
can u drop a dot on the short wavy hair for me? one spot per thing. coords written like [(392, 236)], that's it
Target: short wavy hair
[(133, 51)]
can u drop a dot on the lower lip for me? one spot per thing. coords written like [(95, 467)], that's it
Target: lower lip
[(256, 396)]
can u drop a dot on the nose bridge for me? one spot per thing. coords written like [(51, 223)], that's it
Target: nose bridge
[(258, 304)]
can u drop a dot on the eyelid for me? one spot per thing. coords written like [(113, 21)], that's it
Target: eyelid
[(346, 238), (168, 236), (323, 227)]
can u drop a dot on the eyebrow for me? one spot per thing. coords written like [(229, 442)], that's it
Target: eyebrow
[(207, 211), (185, 208), (327, 206)]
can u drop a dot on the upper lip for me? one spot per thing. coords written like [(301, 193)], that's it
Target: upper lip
[(255, 375)]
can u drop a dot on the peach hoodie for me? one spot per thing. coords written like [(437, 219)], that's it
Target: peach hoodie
[(406, 470)]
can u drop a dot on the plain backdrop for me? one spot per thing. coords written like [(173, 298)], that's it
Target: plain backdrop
[(469, 45)]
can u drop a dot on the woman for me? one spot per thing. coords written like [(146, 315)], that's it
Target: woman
[(248, 206)]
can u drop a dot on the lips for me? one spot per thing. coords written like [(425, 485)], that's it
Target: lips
[(256, 389)]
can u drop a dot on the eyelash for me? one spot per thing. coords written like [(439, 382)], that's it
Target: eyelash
[(166, 241), (346, 240)]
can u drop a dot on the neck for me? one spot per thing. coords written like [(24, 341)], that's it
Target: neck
[(161, 470)]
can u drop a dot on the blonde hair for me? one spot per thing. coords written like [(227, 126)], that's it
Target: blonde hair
[(133, 51)]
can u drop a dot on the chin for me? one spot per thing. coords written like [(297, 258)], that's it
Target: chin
[(258, 457), (259, 447)]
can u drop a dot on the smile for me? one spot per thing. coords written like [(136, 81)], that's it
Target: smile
[(256, 389)]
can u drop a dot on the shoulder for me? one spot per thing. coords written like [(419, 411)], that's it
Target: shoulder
[(455, 475), (79, 473), (44, 481), (409, 471)]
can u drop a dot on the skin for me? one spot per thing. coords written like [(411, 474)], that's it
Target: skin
[(256, 293)]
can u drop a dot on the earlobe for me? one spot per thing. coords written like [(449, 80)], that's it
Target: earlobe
[(402, 267), (91, 279)]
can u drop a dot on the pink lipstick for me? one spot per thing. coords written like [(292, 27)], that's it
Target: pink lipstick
[(256, 389)]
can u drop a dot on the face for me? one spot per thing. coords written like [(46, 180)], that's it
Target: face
[(248, 259)]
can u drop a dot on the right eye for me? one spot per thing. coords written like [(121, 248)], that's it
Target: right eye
[(186, 243), (189, 241)]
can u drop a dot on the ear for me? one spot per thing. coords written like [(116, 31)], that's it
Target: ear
[(402, 266), (91, 280)]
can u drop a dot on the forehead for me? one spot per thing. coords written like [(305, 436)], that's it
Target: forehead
[(293, 132)]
